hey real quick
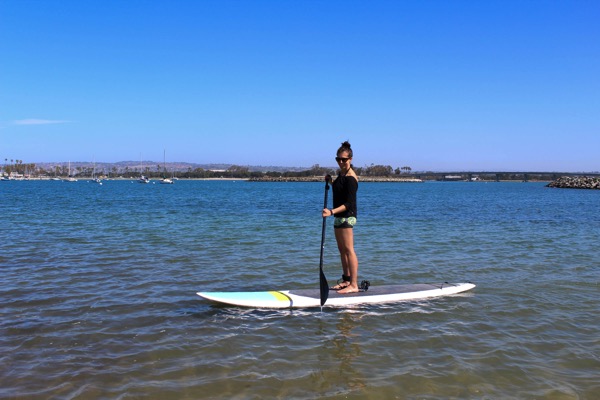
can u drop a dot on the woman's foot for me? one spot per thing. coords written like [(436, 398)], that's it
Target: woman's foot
[(349, 289), (341, 285)]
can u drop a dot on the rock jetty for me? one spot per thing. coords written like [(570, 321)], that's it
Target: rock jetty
[(575, 182)]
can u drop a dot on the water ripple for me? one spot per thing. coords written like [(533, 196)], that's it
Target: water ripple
[(98, 291)]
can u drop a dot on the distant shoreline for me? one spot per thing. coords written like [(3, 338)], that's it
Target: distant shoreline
[(362, 179), (373, 173), (569, 182)]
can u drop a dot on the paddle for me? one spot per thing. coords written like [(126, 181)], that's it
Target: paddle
[(324, 286)]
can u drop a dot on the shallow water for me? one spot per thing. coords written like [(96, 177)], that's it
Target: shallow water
[(98, 292)]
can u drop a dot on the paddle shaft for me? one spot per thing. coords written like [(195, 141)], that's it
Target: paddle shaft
[(324, 286)]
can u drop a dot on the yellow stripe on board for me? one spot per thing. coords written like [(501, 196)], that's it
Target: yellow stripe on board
[(279, 296)]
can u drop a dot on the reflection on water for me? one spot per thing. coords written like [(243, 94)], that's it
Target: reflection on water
[(346, 348)]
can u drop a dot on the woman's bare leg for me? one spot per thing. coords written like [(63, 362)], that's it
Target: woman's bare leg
[(345, 241)]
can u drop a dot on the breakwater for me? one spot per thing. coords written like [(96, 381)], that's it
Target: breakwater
[(576, 182)]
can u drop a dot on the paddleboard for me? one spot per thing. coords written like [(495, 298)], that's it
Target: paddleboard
[(311, 297)]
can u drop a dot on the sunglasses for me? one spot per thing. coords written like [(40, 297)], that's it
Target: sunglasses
[(342, 159)]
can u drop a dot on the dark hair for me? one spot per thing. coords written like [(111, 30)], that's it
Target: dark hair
[(345, 147)]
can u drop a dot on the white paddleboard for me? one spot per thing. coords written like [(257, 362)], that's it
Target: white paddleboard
[(311, 297)]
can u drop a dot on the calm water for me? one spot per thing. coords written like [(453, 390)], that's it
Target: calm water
[(97, 292)]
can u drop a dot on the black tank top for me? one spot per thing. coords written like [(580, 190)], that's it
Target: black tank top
[(344, 193)]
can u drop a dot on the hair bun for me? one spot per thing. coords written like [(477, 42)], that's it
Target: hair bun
[(346, 145)]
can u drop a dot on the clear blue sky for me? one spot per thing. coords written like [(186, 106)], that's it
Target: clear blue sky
[(434, 85)]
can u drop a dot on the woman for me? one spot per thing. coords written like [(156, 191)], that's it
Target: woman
[(344, 210)]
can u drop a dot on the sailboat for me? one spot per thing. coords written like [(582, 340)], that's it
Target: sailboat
[(94, 178), (165, 180), (69, 177), (142, 178)]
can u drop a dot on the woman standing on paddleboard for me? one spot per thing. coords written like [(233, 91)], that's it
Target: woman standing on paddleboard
[(344, 211)]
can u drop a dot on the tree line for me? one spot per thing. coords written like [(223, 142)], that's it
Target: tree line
[(18, 167), (234, 171)]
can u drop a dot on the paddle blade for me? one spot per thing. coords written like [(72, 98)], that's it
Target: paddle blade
[(324, 286)]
